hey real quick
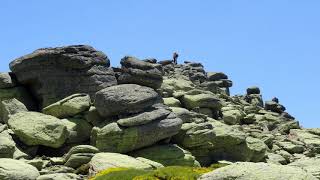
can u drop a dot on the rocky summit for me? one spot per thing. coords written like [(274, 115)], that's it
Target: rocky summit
[(66, 113)]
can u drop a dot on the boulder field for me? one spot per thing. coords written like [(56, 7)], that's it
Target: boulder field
[(66, 113)]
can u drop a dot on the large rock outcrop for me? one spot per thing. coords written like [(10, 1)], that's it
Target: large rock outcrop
[(67, 113), (55, 73)]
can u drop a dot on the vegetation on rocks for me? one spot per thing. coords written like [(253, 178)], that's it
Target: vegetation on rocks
[(166, 173)]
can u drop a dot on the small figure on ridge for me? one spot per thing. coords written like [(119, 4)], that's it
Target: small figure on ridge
[(175, 58)]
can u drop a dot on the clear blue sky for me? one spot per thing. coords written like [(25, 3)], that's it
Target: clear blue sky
[(273, 44)]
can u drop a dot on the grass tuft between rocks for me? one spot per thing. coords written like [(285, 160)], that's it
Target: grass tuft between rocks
[(166, 173)]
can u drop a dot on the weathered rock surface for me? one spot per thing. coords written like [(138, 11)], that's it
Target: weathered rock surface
[(201, 99), (34, 128), (310, 138), (261, 171), (79, 155), (55, 73), (125, 98), (69, 106), (13, 169), (311, 165), (139, 72)]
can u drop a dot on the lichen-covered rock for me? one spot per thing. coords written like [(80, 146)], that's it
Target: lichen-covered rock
[(168, 155), (125, 98), (79, 130), (309, 137), (172, 102), (13, 169), (139, 72), (34, 128), (7, 81), (291, 147), (155, 165), (55, 73), (115, 138), (233, 116), (79, 155), (188, 116), (175, 85), (59, 176), (275, 159), (68, 106), (261, 171), (212, 141), (9, 107), (103, 161), (311, 165), (7, 145), (201, 99)]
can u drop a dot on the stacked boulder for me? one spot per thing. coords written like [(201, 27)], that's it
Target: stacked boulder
[(134, 71), (66, 114), (141, 119), (220, 80)]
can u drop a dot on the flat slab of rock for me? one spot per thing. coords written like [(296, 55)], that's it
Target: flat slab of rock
[(79, 155), (34, 128), (68, 106), (13, 169), (125, 98), (144, 118), (261, 171), (103, 161), (55, 73)]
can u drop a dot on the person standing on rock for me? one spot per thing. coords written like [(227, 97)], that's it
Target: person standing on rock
[(175, 58)]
